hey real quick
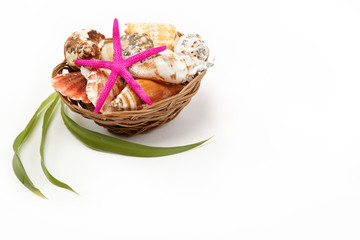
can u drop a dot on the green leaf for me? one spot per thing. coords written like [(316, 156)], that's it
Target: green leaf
[(23, 177), (19, 140), (48, 116), (107, 143)]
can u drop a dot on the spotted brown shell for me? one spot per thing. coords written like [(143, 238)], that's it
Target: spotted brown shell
[(83, 44)]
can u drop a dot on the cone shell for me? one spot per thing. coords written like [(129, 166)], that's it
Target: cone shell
[(161, 34), (96, 80), (129, 100), (71, 85), (83, 44)]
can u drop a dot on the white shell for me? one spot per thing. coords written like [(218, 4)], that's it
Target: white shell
[(169, 67), (192, 45)]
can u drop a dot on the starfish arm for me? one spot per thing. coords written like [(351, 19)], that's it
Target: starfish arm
[(116, 41), (106, 90), (135, 86), (141, 56), (94, 63)]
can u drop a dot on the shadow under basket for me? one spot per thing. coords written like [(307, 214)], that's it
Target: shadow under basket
[(136, 121)]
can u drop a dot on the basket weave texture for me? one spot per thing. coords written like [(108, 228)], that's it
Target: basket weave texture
[(137, 121)]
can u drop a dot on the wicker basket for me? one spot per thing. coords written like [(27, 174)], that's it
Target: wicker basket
[(138, 121)]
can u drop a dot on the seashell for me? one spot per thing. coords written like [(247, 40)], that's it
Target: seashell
[(96, 80), (169, 67), (131, 44), (161, 34), (129, 100), (107, 52), (132, 50), (71, 85), (83, 44), (141, 40), (166, 52), (192, 45)]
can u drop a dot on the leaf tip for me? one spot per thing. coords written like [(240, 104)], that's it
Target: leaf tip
[(72, 190), (37, 192)]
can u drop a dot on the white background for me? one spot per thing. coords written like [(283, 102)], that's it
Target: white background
[(282, 103)]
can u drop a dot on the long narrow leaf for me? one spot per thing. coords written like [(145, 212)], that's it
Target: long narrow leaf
[(23, 177), (19, 140), (48, 116), (107, 143)]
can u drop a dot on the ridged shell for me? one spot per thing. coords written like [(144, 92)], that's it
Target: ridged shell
[(161, 34), (71, 85), (129, 100), (83, 44), (96, 81)]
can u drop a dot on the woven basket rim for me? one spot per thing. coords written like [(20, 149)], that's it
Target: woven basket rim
[(148, 109)]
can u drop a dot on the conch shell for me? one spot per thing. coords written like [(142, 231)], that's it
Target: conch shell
[(96, 80), (169, 67), (161, 34), (83, 44), (129, 100), (71, 85)]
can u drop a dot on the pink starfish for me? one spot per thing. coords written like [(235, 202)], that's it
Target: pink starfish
[(119, 67)]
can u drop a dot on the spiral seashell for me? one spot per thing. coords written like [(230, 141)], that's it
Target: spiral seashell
[(192, 45), (83, 44), (129, 100), (169, 67)]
